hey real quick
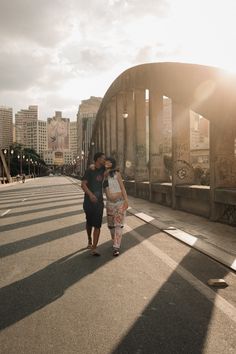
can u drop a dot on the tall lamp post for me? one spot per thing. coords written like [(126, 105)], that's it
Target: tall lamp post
[(28, 160), (9, 153), (21, 157)]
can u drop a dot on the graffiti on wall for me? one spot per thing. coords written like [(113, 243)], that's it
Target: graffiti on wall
[(184, 171)]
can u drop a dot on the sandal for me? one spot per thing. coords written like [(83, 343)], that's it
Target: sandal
[(116, 253)]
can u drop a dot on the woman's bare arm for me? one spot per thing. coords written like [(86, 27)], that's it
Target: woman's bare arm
[(123, 191)]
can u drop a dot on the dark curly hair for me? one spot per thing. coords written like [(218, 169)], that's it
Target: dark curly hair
[(113, 167)]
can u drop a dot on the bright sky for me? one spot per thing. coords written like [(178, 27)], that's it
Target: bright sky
[(57, 53)]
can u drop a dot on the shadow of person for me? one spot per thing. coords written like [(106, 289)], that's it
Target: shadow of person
[(22, 298)]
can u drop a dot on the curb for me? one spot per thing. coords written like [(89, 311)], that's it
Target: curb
[(210, 250)]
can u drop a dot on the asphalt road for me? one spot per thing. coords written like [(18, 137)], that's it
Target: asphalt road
[(56, 298)]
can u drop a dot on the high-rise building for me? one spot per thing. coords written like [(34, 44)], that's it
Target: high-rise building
[(6, 127), (36, 136), (73, 139), (85, 118), (23, 117), (58, 151)]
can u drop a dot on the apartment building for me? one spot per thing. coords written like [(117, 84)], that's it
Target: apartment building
[(23, 117), (85, 119), (6, 127), (73, 139), (36, 136)]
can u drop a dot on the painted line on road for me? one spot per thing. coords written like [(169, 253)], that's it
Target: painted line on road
[(6, 212), (209, 249), (228, 309)]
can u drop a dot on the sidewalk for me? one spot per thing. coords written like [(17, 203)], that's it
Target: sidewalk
[(214, 239)]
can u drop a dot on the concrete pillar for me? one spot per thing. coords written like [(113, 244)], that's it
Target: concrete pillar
[(103, 147), (108, 131), (104, 130), (120, 131), (182, 171), (157, 171), (130, 137), (222, 160), (99, 138), (113, 133), (141, 170)]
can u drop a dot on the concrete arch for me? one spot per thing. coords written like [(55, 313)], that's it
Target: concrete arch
[(208, 91)]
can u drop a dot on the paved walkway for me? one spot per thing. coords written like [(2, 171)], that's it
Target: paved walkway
[(212, 238)]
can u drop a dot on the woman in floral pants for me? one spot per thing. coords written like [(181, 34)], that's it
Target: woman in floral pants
[(117, 202)]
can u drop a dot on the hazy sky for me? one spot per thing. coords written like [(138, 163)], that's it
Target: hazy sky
[(55, 53)]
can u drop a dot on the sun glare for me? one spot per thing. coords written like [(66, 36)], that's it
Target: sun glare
[(206, 35)]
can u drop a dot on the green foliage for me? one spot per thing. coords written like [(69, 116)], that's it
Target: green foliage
[(19, 157)]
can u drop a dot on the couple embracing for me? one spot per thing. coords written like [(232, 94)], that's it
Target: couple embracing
[(101, 177)]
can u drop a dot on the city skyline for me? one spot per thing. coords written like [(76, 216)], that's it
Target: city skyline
[(57, 54)]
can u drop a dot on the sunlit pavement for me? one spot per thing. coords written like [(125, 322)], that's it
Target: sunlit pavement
[(56, 298)]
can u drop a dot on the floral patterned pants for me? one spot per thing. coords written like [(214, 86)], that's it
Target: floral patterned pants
[(115, 221)]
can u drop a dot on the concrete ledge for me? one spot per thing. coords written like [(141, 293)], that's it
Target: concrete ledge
[(193, 192), (225, 196)]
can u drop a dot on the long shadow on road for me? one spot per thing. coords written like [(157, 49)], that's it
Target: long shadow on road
[(26, 188), (24, 297), (176, 320), (29, 203), (28, 243), (44, 219), (39, 210)]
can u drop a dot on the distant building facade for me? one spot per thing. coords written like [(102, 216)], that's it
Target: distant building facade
[(85, 120), (36, 136), (23, 117), (6, 127), (61, 140), (199, 141), (74, 139)]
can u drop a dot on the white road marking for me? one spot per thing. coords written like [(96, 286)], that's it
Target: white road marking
[(5, 212), (218, 301), (144, 217), (210, 250)]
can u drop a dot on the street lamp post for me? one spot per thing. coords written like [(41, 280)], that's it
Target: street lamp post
[(28, 160), (9, 153), (20, 157)]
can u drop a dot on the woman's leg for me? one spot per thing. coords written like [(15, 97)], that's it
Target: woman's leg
[(110, 219), (119, 224)]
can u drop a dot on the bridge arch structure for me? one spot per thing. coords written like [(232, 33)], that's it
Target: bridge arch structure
[(137, 140)]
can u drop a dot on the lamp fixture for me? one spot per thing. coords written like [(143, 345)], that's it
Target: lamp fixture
[(125, 114)]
